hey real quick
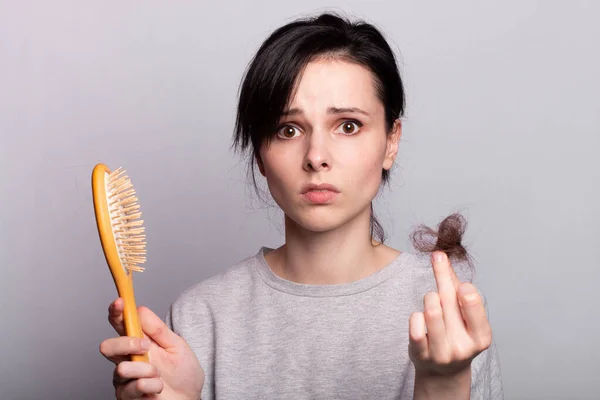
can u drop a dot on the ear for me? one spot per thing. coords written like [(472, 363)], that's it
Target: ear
[(261, 166), (392, 145)]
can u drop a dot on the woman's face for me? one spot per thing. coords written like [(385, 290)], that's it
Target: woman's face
[(332, 134)]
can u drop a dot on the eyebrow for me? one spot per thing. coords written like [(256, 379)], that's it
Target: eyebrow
[(330, 111)]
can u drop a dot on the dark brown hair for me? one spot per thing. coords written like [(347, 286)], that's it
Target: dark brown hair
[(447, 238), (270, 78)]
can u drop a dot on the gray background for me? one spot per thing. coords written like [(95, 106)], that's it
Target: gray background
[(502, 124)]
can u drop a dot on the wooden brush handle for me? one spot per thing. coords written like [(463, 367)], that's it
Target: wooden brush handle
[(131, 318)]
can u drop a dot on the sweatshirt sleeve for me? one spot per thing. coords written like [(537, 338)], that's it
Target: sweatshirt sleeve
[(191, 318)]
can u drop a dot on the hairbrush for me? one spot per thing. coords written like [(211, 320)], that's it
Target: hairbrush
[(122, 237)]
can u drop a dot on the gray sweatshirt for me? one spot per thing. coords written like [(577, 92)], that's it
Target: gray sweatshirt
[(259, 336)]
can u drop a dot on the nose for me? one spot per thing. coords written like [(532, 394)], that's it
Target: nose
[(317, 156)]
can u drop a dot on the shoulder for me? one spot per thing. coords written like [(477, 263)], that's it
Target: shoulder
[(224, 283), (197, 302)]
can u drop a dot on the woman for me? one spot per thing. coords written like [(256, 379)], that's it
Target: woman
[(333, 313)]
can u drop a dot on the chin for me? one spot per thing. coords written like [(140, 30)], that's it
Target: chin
[(323, 220)]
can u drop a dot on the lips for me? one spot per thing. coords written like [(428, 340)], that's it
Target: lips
[(322, 193), (320, 186)]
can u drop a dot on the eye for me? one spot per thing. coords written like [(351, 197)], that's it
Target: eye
[(288, 132), (350, 127)]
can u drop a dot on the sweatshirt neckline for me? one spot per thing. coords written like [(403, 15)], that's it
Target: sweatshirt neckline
[(332, 290)]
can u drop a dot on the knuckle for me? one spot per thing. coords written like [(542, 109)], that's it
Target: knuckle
[(143, 309), (133, 344), (432, 297), (106, 347), (415, 338), (141, 385), (159, 331), (121, 370), (462, 352), (433, 313), (484, 341), (415, 318), (470, 299), (153, 370), (470, 295), (442, 359)]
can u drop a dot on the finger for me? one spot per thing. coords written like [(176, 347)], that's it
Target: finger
[(477, 324), (137, 388), (454, 277), (118, 349), (442, 269), (157, 330), (443, 272), (115, 316), (417, 333), (128, 370), (434, 321)]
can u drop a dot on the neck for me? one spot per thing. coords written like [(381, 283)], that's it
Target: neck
[(342, 255)]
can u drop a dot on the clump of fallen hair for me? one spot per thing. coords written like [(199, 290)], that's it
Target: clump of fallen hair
[(447, 238)]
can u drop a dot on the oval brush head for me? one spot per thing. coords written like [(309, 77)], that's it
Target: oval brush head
[(122, 236), (127, 227)]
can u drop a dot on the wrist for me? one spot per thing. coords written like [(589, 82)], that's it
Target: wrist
[(436, 386)]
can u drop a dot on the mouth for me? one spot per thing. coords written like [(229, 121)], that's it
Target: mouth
[(319, 193)]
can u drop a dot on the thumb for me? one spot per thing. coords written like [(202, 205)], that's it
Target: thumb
[(157, 330)]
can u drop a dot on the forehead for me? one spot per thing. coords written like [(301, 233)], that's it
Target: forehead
[(335, 82)]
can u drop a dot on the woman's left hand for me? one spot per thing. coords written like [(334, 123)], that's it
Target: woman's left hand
[(453, 328)]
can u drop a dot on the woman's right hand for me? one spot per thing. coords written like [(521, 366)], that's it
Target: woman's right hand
[(173, 372)]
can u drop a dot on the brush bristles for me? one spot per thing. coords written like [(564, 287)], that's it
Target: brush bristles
[(125, 219)]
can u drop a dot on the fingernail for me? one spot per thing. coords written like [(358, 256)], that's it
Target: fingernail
[(145, 344), (438, 256)]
